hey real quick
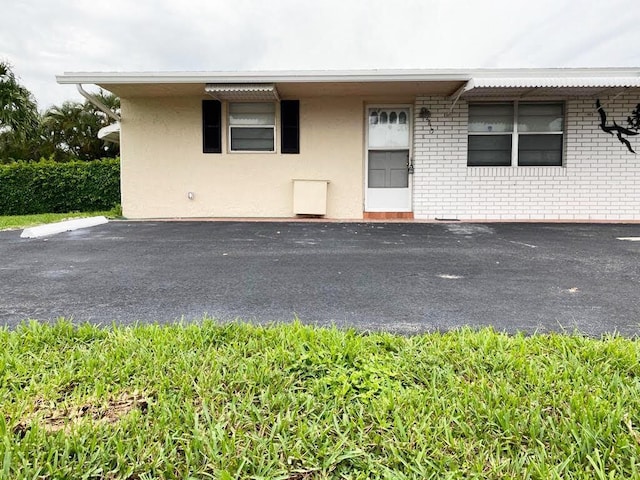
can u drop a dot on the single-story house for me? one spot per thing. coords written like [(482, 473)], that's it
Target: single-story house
[(485, 144)]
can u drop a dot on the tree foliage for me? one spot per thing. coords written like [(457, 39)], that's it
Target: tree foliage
[(72, 129), (61, 133), (18, 112)]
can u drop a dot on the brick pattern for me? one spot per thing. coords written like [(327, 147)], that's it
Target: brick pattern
[(600, 179), (388, 215)]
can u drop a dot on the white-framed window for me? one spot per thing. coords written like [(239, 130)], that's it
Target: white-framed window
[(523, 134), (252, 127)]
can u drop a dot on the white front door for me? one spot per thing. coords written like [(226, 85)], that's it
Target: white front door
[(387, 181)]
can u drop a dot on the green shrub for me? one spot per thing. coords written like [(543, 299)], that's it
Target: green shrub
[(49, 187)]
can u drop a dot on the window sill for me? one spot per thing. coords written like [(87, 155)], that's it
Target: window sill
[(516, 172), (252, 152)]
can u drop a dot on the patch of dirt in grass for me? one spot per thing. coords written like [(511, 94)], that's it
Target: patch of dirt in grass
[(302, 475), (52, 418), (68, 388)]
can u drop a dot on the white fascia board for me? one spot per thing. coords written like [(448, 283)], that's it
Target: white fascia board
[(318, 76), (555, 72), (263, 77), (554, 82)]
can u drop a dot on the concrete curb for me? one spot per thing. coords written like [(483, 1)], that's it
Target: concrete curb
[(59, 227)]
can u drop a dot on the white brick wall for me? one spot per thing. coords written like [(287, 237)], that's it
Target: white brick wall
[(600, 179)]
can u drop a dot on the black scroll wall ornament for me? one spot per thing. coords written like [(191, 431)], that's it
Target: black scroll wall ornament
[(633, 128)]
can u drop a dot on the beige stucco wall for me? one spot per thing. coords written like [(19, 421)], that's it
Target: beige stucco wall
[(162, 160)]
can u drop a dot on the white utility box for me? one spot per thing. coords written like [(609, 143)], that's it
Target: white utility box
[(310, 197)]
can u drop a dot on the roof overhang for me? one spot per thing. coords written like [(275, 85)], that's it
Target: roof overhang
[(288, 84), (468, 83), (541, 86), (308, 76)]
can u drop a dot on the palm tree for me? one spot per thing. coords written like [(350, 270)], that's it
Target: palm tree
[(73, 129), (62, 133), (18, 111)]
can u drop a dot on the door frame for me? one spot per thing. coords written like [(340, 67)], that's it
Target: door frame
[(368, 106)]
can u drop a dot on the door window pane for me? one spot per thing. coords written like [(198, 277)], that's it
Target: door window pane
[(390, 131), (377, 177), (398, 177), (388, 169), (489, 150)]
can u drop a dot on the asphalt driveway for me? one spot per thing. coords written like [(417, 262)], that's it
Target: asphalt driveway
[(398, 277)]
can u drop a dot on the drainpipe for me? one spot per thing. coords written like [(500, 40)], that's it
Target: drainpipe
[(97, 103), (456, 96)]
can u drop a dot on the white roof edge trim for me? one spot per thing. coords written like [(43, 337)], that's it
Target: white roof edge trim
[(258, 77), (553, 82), (302, 76)]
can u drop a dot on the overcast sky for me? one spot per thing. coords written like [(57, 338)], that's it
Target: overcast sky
[(43, 38)]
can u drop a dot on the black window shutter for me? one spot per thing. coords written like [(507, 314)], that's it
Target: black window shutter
[(290, 126), (211, 126)]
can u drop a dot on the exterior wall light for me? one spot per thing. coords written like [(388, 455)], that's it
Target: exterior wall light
[(425, 114)]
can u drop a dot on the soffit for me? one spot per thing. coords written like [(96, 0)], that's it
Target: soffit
[(298, 89), (369, 89)]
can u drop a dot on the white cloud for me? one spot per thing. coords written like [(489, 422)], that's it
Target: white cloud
[(42, 39)]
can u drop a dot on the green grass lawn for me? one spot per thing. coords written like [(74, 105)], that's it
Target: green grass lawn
[(296, 402), (11, 222)]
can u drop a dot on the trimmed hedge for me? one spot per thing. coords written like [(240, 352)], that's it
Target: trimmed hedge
[(49, 187)]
